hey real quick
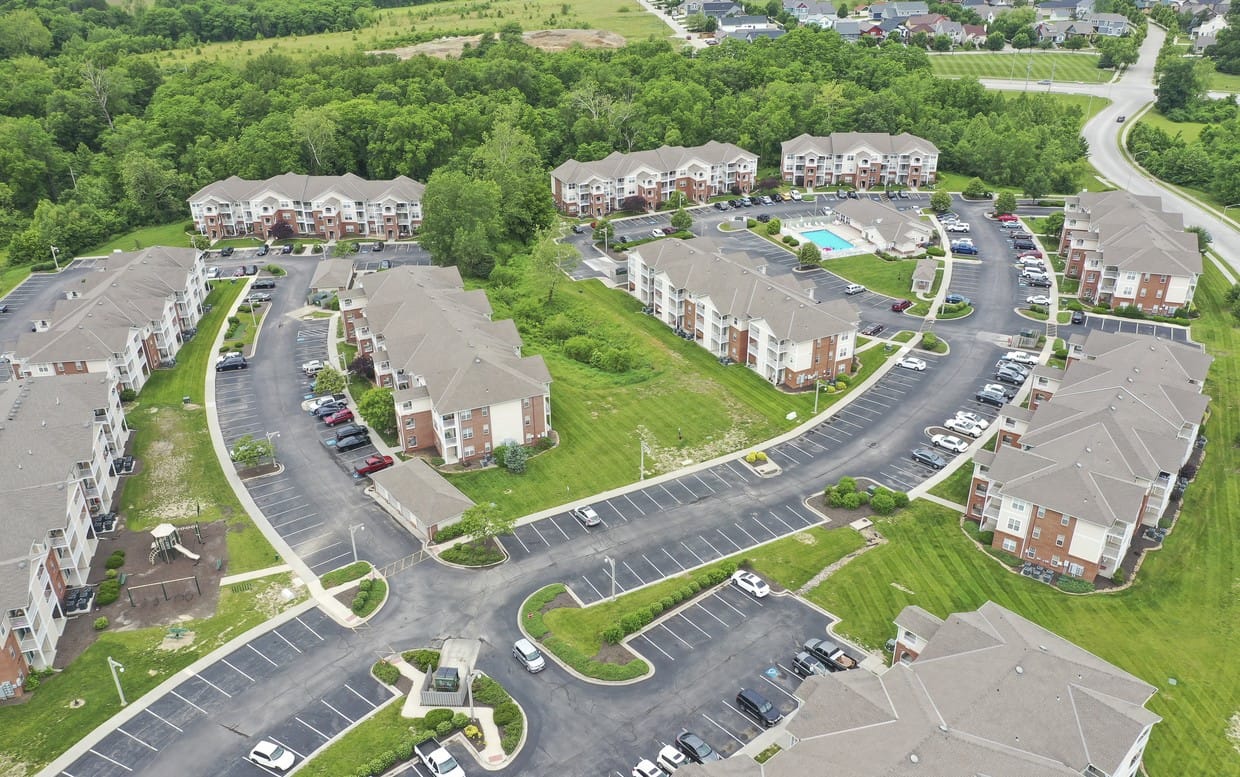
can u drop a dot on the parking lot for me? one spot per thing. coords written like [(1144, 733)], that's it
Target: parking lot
[(142, 743), (724, 641)]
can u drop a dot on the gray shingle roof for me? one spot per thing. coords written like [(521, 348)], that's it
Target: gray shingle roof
[(616, 165), (332, 274), (1135, 233), (917, 620), (894, 226), (850, 142), (423, 491), (307, 188)]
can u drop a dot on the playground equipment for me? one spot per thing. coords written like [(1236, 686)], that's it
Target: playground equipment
[(167, 539)]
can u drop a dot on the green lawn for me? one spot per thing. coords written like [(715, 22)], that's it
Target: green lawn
[(251, 324), (703, 410), (956, 486), (894, 279), (1177, 621), (1188, 130), (1066, 66), (44, 727), (1224, 82), (794, 560), (385, 730), (11, 276), (174, 234)]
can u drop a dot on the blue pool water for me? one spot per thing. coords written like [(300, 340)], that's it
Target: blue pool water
[(825, 238)]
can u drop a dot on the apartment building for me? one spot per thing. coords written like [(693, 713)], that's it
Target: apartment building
[(125, 319), (862, 160), (1126, 250), (698, 173), (58, 438), (728, 305), (326, 206), (460, 383), (1095, 459)]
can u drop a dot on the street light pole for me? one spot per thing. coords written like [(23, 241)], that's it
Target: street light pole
[(353, 530), (114, 665), (611, 562), (55, 261), (469, 689), (817, 388), (644, 450), (272, 445)]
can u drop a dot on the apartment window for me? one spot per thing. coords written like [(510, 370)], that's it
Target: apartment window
[(469, 451), (486, 412), (1041, 511), (1065, 520), (1055, 561), (410, 423), (1142, 292), (466, 415), (1059, 541), (413, 441), (1009, 545), (525, 402), (528, 420), (467, 433), (486, 428), (1019, 505), (1013, 524), (1037, 533)]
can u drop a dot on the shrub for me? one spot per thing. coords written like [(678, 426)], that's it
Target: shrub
[(883, 504), (472, 732), (345, 574), (1119, 576), (110, 574), (613, 634), (386, 673), (506, 713), (844, 380), (929, 341), (31, 684), (444, 728), (460, 720), (115, 561), (515, 461), (101, 623), (851, 500), (751, 223), (935, 251), (544, 444), (365, 586), (109, 591), (425, 660), (471, 554), (487, 691), (1074, 585), (986, 537), (773, 226), (847, 484), (437, 716), (404, 751), (275, 270), (128, 395), (359, 602), (901, 499), (455, 530)]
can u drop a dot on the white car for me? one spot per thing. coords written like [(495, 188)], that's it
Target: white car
[(310, 405), (956, 226), (272, 756), (795, 195), (949, 443), (997, 387), (1020, 357), (645, 768), (965, 415), (656, 233), (312, 367), (1038, 299), (213, 273), (912, 363), (750, 583), (963, 426), (670, 759), (586, 516)]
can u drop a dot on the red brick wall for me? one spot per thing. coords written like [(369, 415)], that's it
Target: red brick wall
[(903, 650), (13, 666), (1045, 546), (738, 345), (419, 438), (350, 324)]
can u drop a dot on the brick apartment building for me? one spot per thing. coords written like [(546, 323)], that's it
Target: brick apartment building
[(326, 206), (126, 319), (600, 187), (1126, 250), (728, 305), (58, 439), (1096, 456), (460, 383), (863, 160)]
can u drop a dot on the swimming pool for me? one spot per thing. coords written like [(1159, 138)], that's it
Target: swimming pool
[(825, 238)]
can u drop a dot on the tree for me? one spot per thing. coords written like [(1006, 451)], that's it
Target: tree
[(1180, 84), (282, 230), (516, 457), (809, 254), (941, 43), (995, 41), (100, 85), (550, 259), (1054, 223), (940, 201), (1204, 238), (484, 521), (460, 223), (975, 189), (681, 220), (22, 32), (1023, 39), (509, 159), (604, 231), (317, 128), (378, 409), (363, 365), (1115, 52), (1005, 203), (329, 381), (248, 452)]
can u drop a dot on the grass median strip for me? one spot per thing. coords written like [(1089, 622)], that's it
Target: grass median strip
[(345, 574), (956, 486)]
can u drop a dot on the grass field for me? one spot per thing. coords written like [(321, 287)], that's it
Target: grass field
[(703, 410), (1178, 620), (623, 17), (11, 276), (1224, 82), (1188, 130), (794, 560), (1017, 65), (956, 486), (385, 730), (174, 234), (893, 279)]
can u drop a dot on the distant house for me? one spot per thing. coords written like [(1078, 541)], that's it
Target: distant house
[(822, 14), (733, 24), (980, 7), (924, 274), (849, 29), (1210, 27), (1110, 25), (1200, 44), (1057, 10), (902, 10), (1058, 32), (749, 36), (713, 8)]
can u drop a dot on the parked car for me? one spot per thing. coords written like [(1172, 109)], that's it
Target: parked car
[(264, 249), (437, 759), (841, 194), (351, 442), (956, 226), (258, 298), (957, 299), (1043, 282), (646, 768), (212, 274), (695, 748), (902, 194), (1024, 245), (988, 397), (236, 362), (852, 194), (269, 755), (777, 197), (328, 408), (964, 426), (853, 288), (586, 516), (524, 651), (239, 272), (765, 200), (1007, 217), (949, 443), (1020, 357), (795, 195), (929, 458), (830, 653), (670, 759), (348, 430), (373, 464), (804, 664), (1029, 254), (312, 367), (1014, 377), (901, 305), (227, 251), (974, 417), (750, 583), (339, 417), (1038, 299), (912, 363), (758, 707), (263, 283), (1021, 236), (378, 246), (287, 248), (967, 249), (251, 270), (764, 217), (1023, 369), (1120, 119), (722, 206), (1078, 317), (746, 202)]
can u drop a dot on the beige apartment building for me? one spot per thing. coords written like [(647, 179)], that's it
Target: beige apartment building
[(863, 160)]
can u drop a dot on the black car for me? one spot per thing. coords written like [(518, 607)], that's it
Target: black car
[(287, 249), (1041, 283), (764, 217), (1078, 317), (4, 308), (1013, 377), (1021, 236), (805, 665), (929, 458), (852, 195), (264, 283), (352, 441), (695, 748), (226, 251), (991, 398), (231, 363), (251, 270), (323, 411), (758, 707), (264, 250), (955, 299), (1024, 245), (378, 246), (777, 197)]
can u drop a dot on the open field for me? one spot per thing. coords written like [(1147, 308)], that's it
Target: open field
[(893, 279), (173, 234), (1188, 130), (1017, 65), (1224, 82), (1177, 621), (459, 17), (11, 276), (956, 487)]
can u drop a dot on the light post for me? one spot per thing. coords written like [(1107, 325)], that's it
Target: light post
[(115, 665), (644, 450), (55, 260), (272, 445), (1225, 207), (611, 562), (469, 690), (353, 530), (817, 388)]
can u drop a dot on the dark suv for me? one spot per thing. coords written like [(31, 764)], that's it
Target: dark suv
[(231, 363), (758, 707), (264, 283)]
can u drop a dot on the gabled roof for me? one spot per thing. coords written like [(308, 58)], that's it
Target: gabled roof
[(894, 225), (851, 142), (422, 491), (616, 165), (332, 274), (309, 188)]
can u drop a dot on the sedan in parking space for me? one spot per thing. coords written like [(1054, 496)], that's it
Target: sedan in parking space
[(227, 251), (1038, 299), (239, 272), (912, 363), (1020, 357), (373, 464), (258, 298), (1007, 217), (899, 306), (965, 415), (645, 768), (264, 250), (929, 458), (963, 426), (750, 583), (670, 759), (339, 417), (957, 299), (967, 249), (804, 664), (251, 270), (999, 387), (1023, 369), (949, 443), (524, 651), (287, 249), (1021, 236), (996, 398), (1010, 376), (1029, 253), (841, 194), (764, 217), (586, 516), (956, 226), (352, 441), (765, 200), (695, 748), (656, 232), (758, 707), (213, 273), (1078, 317), (795, 195), (269, 755), (231, 363), (1042, 282), (777, 197), (722, 206)]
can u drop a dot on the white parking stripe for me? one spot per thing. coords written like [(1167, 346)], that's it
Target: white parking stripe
[(656, 647), (338, 712), (556, 525), (737, 472), (264, 657), (669, 493), (540, 536), (170, 723), (695, 555), (235, 669), (673, 558), (518, 538), (674, 634), (312, 631), (308, 528), (312, 728), (213, 685), (187, 701), (729, 539), (639, 577), (781, 520), (139, 741), (711, 614), (646, 493), (777, 687), (635, 507), (656, 569), (333, 559), (358, 695), (596, 591), (792, 509), (712, 547), (290, 644), (717, 476), (721, 728), (708, 488), (747, 534), (109, 760), (705, 633), (729, 605)]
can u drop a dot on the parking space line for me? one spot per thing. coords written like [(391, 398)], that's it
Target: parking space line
[(656, 647), (139, 741), (781, 520), (518, 538), (600, 593), (646, 493), (695, 555), (109, 760), (540, 535), (187, 701), (330, 560), (213, 685), (716, 475), (708, 488), (705, 633), (264, 657), (712, 547), (777, 687), (235, 669), (674, 634), (739, 474), (338, 712), (729, 605), (635, 507), (290, 644), (170, 723), (616, 510), (639, 577), (556, 525), (656, 569), (747, 534), (358, 695), (307, 528), (711, 614), (673, 558), (272, 516), (721, 728), (312, 728), (312, 631), (808, 521), (669, 493), (729, 539), (799, 448)]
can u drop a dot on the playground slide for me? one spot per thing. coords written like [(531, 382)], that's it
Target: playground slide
[(187, 552)]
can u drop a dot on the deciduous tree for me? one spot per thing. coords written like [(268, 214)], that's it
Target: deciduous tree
[(378, 410)]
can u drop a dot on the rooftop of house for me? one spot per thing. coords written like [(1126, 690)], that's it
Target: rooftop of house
[(423, 491), (332, 274), (853, 142), (311, 188), (618, 165)]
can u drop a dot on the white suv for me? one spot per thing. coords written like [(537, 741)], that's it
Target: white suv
[(956, 226)]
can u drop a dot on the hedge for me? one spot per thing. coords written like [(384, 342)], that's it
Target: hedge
[(640, 619), (109, 591), (507, 714), (386, 673), (1074, 585), (425, 660), (345, 574), (369, 597)]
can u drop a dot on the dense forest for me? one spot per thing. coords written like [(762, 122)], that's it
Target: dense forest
[(96, 138)]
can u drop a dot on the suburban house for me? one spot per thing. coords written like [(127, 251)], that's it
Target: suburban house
[(1058, 11), (1203, 42), (990, 693), (328, 206), (421, 499), (982, 8), (713, 8), (460, 384), (1209, 27), (816, 12), (898, 10), (125, 319), (848, 29), (749, 36), (598, 188), (1059, 31), (885, 227), (860, 159), (924, 274), (57, 445), (1126, 250), (1110, 25), (1095, 458), (732, 25), (727, 304)]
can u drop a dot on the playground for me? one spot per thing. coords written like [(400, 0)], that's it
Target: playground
[(173, 589)]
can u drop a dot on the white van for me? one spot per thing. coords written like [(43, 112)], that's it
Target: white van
[(854, 288)]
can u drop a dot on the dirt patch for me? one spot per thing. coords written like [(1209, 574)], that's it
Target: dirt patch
[(563, 600), (614, 654), (547, 40)]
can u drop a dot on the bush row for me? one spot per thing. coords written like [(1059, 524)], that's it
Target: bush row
[(884, 501), (1074, 585), (116, 560), (470, 554), (345, 574), (425, 660), (109, 591), (639, 619), (507, 714), (370, 593), (385, 672)]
